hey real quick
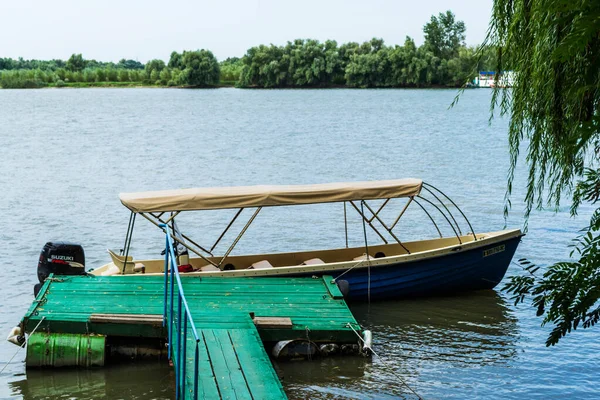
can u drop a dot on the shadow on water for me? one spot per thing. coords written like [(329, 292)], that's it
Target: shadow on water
[(139, 381)]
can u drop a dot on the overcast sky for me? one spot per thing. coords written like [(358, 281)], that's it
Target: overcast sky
[(109, 30)]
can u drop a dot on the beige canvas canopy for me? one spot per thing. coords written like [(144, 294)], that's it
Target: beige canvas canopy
[(267, 196)]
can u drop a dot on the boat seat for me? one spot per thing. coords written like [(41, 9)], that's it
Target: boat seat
[(264, 264), (362, 258), (209, 268), (313, 261), (111, 270), (130, 266), (118, 257)]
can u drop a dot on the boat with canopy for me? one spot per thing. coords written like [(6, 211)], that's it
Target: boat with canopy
[(391, 268)]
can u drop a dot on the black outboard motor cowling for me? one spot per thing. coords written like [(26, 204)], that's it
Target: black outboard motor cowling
[(61, 258)]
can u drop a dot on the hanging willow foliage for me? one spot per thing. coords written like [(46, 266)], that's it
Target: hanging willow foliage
[(553, 47)]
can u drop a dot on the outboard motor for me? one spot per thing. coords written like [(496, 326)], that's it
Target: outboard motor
[(59, 258)]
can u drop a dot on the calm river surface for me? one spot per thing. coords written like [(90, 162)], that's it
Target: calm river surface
[(66, 154)]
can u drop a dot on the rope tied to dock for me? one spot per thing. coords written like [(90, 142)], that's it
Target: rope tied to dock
[(23, 345), (348, 270), (386, 366)]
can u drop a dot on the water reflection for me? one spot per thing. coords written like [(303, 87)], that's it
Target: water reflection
[(476, 328), (139, 381), (431, 340)]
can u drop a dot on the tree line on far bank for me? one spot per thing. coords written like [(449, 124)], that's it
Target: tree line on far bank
[(190, 68), (442, 60)]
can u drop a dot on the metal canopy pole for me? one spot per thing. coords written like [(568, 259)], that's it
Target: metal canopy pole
[(455, 206), (447, 220), (127, 234), (362, 211), (402, 212), (173, 215), (378, 210), (346, 224), (389, 230), (128, 244), (226, 229), (370, 224), (432, 220), (237, 239), (183, 244), (182, 235), (446, 208)]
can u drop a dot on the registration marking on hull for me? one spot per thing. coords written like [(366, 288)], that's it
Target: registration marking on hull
[(494, 250)]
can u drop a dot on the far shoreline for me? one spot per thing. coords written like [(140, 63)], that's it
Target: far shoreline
[(134, 85)]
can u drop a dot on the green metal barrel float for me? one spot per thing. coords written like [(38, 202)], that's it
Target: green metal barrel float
[(65, 350)]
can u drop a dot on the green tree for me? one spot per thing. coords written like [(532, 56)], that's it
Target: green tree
[(264, 66), (370, 66), (461, 68), (100, 75), (143, 76), (134, 75), (154, 65), (175, 60), (553, 47), (76, 63), (155, 77), (444, 35), (111, 75), (129, 64), (60, 73), (77, 77), (165, 76), (89, 75), (231, 69), (201, 68), (123, 75), (175, 77)]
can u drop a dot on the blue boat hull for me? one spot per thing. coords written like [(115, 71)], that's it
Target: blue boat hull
[(474, 269)]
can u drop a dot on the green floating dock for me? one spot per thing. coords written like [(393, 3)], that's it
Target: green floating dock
[(233, 365), (233, 362)]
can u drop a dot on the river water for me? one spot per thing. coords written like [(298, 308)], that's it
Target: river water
[(66, 154)]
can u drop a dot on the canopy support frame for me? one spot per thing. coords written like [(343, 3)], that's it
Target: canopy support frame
[(378, 210), (346, 224), (370, 224), (182, 235), (156, 217), (187, 246), (455, 206), (430, 217), (128, 240), (122, 252), (446, 208), (444, 215), (376, 216), (410, 199), (384, 225), (226, 229), (173, 215), (388, 229), (239, 236)]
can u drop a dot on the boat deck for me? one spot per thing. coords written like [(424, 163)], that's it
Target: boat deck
[(233, 361)]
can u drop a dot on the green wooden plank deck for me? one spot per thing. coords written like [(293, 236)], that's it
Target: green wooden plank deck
[(67, 304), (233, 362)]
